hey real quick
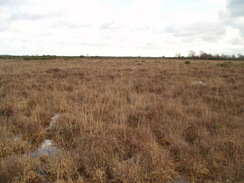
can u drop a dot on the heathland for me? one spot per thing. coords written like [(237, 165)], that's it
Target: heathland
[(126, 120)]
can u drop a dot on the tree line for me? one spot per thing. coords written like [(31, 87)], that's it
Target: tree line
[(203, 55)]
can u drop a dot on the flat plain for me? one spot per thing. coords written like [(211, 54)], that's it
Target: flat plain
[(126, 120)]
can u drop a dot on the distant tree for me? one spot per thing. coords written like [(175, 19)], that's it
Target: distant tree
[(205, 55), (223, 55), (201, 53), (178, 55), (217, 56), (240, 56), (192, 53)]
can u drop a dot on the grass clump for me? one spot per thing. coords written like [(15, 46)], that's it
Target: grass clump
[(187, 62), (225, 64)]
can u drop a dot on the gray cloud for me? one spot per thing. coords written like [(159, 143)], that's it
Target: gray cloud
[(110, 26), (233, 15), (143, 28), (94, 44), (3, 27), (237, 42), (236, 8), (33, 16), (6, 1), (107, 26), (13, 3), (151, 45), (167, 44), (68, 25), (204, 31), (26, 16)]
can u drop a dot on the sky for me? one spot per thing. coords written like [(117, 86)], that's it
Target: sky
[(121, 27)]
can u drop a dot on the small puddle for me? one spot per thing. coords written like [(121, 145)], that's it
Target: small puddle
[(47, 148), (17, 138), (199, 83), (181, 180), (54, 120)]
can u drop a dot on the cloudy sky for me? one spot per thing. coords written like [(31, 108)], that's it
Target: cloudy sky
[(121, 27)]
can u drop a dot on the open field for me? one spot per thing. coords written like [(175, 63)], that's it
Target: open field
[(121, 120)]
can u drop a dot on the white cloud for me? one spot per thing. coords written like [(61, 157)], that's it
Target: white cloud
[(126, 27)]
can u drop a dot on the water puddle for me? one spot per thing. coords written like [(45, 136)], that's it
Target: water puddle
[(199, 83), (181, 179), (54, 120), (47, 148), (17, 138)]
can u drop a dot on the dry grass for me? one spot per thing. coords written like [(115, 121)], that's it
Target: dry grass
[(123, 120)]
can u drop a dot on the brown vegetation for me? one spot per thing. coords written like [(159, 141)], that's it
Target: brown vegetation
[(123, 120)]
